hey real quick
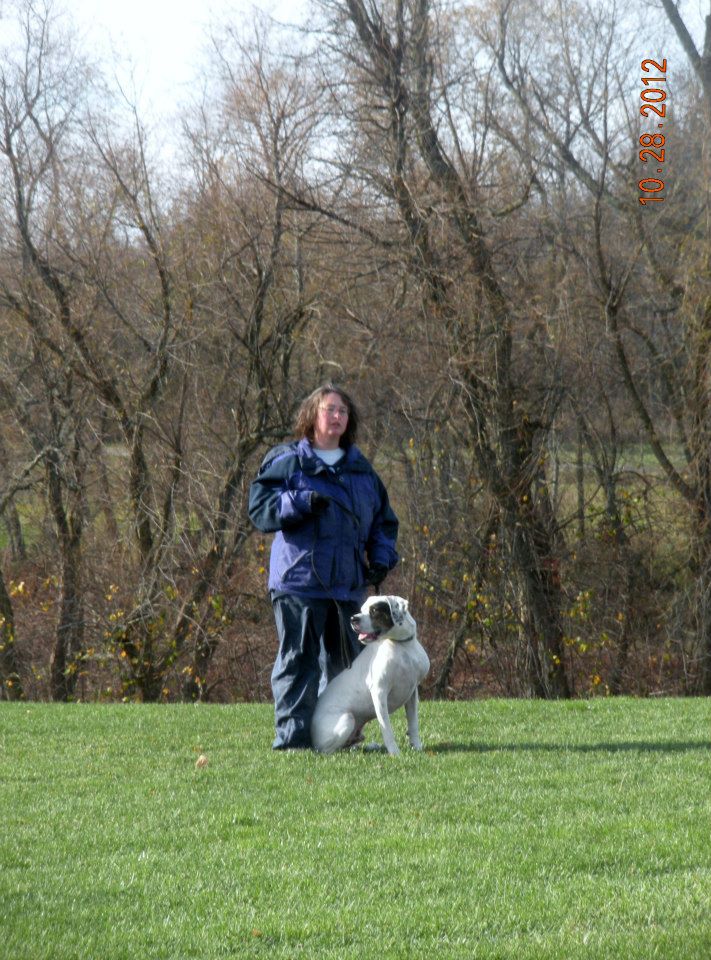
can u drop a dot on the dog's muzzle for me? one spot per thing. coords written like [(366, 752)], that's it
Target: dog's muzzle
[(364, 636), (370, 636)]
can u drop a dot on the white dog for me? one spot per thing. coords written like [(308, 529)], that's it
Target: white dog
[(382, 678)]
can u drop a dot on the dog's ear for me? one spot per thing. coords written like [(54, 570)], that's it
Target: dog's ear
[(398, 608)]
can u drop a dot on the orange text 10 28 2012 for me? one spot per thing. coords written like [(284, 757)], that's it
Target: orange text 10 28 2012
[(653, 108)]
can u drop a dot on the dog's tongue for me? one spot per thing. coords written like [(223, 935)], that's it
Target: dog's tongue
[(364, 637)]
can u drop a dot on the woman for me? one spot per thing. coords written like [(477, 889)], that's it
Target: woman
[(335, 534)]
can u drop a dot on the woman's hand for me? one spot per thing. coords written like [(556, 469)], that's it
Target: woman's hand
[(375, 574), (319, 503)]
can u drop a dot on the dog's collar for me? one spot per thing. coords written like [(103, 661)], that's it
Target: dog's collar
[(392, 639)]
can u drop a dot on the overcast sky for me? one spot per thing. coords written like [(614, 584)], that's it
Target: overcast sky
[(157, 46)]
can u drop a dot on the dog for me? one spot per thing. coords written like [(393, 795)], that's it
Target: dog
[(382, 678)]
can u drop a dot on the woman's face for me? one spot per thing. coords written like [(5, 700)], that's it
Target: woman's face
[(331, 421)]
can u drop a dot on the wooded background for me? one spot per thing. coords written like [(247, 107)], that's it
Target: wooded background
[(435, 205)]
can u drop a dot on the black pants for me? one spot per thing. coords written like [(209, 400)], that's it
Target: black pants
[(302, 626)]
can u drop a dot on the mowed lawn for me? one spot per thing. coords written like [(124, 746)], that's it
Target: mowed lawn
[(525, 830)]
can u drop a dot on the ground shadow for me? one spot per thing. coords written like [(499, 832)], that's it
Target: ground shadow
[(632, 746)]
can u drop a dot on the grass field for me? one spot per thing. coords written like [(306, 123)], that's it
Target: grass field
[(525, 830)]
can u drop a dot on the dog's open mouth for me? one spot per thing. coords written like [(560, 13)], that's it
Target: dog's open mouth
[(368, 637)]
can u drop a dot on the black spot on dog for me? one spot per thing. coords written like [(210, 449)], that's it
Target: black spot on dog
[(381, 615)]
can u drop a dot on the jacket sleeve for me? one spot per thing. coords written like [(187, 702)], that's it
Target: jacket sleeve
[(273, 505), (383, 532)]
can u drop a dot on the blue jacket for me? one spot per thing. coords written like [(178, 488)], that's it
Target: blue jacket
[(326, 555)]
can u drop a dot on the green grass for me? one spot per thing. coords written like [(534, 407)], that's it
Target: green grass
[(526, 830)]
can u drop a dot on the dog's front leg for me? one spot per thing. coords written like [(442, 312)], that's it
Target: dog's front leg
[(380, 702), (413, 726)]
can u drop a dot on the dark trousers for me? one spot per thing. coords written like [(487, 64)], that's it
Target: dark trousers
[(302, 626)]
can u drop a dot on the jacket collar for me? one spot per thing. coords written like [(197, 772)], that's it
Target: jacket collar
[(353, 460)]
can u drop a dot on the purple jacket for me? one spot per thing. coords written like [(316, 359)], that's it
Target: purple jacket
[(326, 555)]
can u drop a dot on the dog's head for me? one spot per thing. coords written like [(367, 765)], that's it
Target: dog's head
[(384, 618)]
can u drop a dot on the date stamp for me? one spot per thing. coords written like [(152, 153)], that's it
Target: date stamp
[(653, 106)]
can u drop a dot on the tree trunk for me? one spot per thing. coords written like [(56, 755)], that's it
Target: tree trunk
[(107, 505), (703, 603), (69, 637), (14, 529), (580, 482), (10, 684), (537, 569)]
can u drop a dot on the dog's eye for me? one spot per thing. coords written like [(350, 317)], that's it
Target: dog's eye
[(381, 612)]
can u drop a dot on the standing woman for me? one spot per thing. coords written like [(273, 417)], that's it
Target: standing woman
[(335, 535)]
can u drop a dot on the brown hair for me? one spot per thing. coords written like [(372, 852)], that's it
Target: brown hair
[(308, 411)]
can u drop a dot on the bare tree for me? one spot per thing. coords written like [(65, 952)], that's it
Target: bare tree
[(582, 116), (39, 95), (252, 299), (406, 103), (10, 680)]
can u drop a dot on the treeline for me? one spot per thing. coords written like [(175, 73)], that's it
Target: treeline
[(436, 206)]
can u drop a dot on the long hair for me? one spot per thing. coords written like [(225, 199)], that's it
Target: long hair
[(308, 411)]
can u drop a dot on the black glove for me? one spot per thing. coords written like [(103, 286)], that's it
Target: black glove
[(375, 574), (319, 503)]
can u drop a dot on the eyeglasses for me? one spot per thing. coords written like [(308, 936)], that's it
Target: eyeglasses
[(331, 410)]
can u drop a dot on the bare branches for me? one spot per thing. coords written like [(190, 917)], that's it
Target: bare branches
[(672, 11), (433, 201)]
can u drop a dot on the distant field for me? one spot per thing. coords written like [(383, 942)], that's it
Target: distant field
[(634, 457), (526, 830)]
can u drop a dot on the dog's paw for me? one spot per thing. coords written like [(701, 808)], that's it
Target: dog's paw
[(374, 747)]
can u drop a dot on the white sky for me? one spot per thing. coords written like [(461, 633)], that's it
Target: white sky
[(155, 48), (157, 45)]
